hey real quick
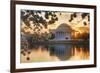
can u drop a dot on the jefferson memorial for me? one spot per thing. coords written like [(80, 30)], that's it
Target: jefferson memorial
[(62, 32)]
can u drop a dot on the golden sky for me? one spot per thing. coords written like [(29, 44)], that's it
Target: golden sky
[(64, 18), (75, 23)]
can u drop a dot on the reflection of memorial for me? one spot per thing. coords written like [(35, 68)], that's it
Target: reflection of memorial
[(62, 51), (62, 32)]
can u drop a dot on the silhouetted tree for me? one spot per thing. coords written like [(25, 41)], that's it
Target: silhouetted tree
[(83, 15), (51, 35), (38, 18)]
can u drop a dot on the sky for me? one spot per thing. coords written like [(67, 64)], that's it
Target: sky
[(64, 17), (76, 22)]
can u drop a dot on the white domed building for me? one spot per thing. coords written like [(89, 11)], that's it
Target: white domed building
[(63, 32)]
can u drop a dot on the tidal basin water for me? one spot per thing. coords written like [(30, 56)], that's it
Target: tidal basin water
[(54, 52)]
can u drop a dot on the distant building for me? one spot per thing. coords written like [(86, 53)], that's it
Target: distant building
[(26, 41), (62, 32)]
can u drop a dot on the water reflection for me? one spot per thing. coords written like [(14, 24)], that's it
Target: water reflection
[(55, 52)]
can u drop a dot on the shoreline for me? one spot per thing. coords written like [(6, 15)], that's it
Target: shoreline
[(63, 42)]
